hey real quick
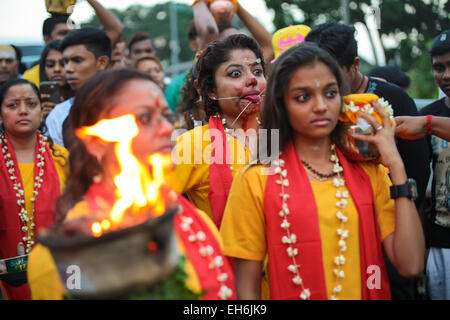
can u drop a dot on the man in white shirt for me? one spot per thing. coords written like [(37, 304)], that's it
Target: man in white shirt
[(86, 51)]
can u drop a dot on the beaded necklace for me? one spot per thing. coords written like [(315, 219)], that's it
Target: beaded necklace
[(290, 238), (320, 176)]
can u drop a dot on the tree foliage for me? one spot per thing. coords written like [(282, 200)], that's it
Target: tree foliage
[(411, 25), (156, 21)]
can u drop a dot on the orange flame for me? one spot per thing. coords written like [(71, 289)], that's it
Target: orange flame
[(136, 187)]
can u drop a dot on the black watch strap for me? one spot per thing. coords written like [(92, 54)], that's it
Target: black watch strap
[(408, 190)]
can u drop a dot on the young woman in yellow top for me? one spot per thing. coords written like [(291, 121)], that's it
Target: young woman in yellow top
[(231, 84), (320, 219), (91, 188), (32, 174)]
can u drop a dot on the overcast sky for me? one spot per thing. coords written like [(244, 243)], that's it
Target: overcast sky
[(23, 18)]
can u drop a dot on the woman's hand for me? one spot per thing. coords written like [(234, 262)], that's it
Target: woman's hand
[(47, 107), (383, 137)]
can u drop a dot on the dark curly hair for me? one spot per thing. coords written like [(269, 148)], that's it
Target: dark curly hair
[(190, 108)]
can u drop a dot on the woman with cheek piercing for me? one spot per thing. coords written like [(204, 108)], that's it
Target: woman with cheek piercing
[(321, 221), (231, 83)]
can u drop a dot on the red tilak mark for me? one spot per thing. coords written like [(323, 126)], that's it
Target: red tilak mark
[(158, 103), (152, 246)]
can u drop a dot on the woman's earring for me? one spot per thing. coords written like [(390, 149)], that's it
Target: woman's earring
[(99, 157), (98, 178)]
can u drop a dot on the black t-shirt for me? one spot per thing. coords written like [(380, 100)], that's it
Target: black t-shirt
[(438, 221), (415, 153)]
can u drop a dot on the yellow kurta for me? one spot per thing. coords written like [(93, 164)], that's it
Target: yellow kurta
[(27, 175), (243, 226), (43, 276), (192, 156)]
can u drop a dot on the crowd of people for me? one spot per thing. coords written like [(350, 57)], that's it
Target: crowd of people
[(303, 221)]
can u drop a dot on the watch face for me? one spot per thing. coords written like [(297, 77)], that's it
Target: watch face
[(412, 186)]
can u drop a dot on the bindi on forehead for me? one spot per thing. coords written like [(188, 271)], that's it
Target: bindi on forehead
[(251, 62), (317, 82), (158, 104)]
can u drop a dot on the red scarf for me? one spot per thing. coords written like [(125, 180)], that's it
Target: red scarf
[(10, 224), (305, 225), (207, 277), (219, 171)]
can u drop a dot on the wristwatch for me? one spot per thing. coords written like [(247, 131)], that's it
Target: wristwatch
[(409, 190)]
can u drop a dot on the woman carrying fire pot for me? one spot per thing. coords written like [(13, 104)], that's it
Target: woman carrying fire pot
[(119, 119)]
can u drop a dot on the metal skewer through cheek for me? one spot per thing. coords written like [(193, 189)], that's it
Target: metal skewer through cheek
[(260, 95)]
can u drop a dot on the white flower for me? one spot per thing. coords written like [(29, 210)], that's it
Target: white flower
[(201, 236), (306, 294), (342, 203), (284, 196), (337, 168), (292, 251), (218, 261), (337, 289), (339, 273), (283, 182), (285, 208), (342, 233), (289, 240), (285, 225), (225, 292), (297, 280), (338, 182), (293, 268), (184, 226), (222, 277), (339, 260)]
